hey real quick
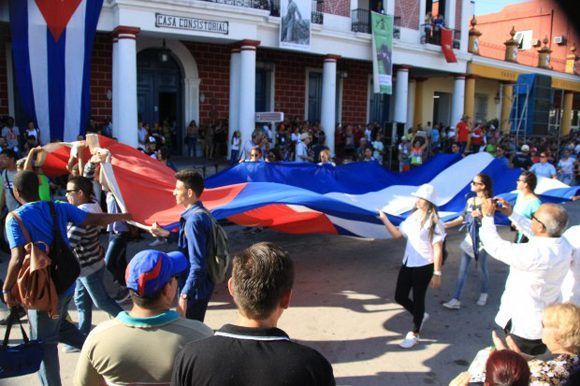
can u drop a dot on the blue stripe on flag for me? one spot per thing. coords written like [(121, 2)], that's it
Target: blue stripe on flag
[(56, 88), (21, 56)]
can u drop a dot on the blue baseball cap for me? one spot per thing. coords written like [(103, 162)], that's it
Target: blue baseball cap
[(150, 270)]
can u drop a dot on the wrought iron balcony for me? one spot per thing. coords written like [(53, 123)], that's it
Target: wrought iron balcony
[(432, 35), (256, 4), (361, 22)]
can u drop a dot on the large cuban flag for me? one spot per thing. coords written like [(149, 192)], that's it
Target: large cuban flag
[(52, 42), (302, 197)]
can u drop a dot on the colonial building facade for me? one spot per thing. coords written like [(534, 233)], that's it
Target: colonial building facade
[(221, 60)]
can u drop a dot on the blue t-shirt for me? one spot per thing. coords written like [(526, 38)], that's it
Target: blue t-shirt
[(543, 170), (526, 207), (38, 221)]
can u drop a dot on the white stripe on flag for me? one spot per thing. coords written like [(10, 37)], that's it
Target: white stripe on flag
[(397, 199), (74, 66), (38, 56)]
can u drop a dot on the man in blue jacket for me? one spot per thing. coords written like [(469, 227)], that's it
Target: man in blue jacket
[(193, 239)]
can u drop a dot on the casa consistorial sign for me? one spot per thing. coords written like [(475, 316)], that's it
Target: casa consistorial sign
[(191, 24)]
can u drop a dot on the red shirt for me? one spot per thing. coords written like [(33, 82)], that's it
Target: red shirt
[(479, 139), (462, 132)]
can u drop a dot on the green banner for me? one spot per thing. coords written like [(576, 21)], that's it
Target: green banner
[(382, 26)]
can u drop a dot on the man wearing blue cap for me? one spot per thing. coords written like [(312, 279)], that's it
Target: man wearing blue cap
[(139, 346)]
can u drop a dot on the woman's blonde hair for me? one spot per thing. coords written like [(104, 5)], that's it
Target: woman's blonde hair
[(564, 320)]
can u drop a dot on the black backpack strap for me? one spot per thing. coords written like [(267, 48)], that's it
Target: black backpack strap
[(12, 318), (56, 229)]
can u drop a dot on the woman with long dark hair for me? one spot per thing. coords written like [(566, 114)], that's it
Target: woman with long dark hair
[(481, 186), (422, 260)]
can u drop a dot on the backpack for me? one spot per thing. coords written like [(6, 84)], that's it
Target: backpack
[(34, 288), (219, 258), (65, 267)]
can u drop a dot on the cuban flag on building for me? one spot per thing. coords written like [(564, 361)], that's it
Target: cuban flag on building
[(52, 43)]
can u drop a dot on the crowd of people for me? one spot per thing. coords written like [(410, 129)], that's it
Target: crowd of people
[(538, 311)]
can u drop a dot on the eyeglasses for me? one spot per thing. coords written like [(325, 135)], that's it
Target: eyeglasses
[(520, 180), (543, 156), (476, 183), (535, 218), (72, 191), (254, 155)]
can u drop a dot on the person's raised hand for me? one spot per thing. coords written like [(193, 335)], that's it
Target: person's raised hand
[(504, 207)]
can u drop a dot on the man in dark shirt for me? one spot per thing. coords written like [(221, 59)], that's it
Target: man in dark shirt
[(254, 351), (194, 239), (523, 159)]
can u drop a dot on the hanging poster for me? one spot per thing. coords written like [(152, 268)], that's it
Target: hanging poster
[(382, 29), (295, 24)]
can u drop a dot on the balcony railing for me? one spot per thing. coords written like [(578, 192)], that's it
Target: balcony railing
[(270, 5), (361, 22), (256, 4), (432, 35)]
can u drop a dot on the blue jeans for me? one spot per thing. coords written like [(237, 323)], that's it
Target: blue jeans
[(50, 332), (464, 269), (235, 157), (91, 289), (115, 257), (191, 146)]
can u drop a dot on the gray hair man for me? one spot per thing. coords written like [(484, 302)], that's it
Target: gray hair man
[(537, 269)]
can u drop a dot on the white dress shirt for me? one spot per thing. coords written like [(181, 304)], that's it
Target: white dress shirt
[(419, 250), (537, 270), (571, 284)]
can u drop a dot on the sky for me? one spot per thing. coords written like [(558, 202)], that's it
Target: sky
[(483, 7)]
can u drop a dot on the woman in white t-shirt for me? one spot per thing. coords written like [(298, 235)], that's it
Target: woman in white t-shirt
[(566, 168), (423, 258), (236, 144)]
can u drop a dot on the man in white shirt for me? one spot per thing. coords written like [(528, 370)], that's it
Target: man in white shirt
[(302, 149), (537, 270)]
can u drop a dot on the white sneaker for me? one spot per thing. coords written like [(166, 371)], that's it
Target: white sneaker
[(158, 242), (425, 318), (69, 349), (482, 301), (453, 304), (410, 340)]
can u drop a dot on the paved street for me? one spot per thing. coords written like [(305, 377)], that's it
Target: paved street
[(343, 306)]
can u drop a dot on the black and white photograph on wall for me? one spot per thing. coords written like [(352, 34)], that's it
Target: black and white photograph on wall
[(295, 24)]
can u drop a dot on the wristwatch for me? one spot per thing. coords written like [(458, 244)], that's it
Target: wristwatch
[(437, 273)]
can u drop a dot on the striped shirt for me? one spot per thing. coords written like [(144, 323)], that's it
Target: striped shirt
[(85, 242)]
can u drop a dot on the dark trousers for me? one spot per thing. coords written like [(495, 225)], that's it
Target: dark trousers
[(416, 279), (196, 309), (529, 346), (116, 256)]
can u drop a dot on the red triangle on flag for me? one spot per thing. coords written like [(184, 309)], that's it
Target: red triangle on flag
[(57, 14)]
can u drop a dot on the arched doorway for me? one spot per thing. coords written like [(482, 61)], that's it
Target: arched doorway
[(159, 93)]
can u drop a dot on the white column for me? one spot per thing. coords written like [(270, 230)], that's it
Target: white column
[(450, 14), (389, 6), (458, 99), (247, 113), (328, 107), (125, 85), (234, 95), (401, 94), (422, 12), (466, 13), (115, 104), (411, 104)]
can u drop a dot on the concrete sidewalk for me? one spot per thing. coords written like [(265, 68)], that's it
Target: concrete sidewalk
[(343, 306)]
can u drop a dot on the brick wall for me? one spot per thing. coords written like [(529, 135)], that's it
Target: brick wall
[(4, 38), (355, 90), (213, 63), (335, 7), (408, 10), (101, 78)]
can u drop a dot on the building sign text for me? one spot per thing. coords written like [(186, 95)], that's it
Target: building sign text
[(192, 24)]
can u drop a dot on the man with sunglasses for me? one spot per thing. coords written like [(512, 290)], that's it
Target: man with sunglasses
[(140, 346), (537, 268), (543, 168)]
